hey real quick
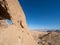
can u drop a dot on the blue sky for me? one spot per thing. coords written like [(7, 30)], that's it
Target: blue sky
[(42, 14)]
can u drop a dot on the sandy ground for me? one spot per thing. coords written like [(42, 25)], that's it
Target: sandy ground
[(46, 38)]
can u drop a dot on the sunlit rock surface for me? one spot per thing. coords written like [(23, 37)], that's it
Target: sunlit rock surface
[(17, 32)]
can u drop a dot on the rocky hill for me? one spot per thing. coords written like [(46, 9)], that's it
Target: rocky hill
[(46, 38), (17, 33)]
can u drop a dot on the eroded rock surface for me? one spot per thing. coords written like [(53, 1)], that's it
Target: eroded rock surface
[(17, 33)]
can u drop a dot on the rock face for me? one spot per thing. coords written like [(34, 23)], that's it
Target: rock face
[(17, 33)]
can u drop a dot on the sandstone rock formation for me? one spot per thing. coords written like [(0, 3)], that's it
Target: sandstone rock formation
[(17, 33)]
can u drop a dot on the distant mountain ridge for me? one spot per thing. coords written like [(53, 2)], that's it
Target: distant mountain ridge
[(46, 38)]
